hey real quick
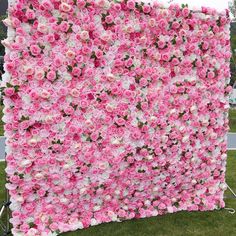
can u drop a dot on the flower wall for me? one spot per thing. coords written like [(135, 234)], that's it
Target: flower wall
[(114, 110)]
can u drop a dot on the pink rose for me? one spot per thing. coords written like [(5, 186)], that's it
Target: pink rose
[(51, 75), (28, 70), (47, 4), (161, 44), (84, 35), (45, 94), (30, 14), (65, 7), (120, 121), (185, 12), (210, 75), (89, 72), (136, 134), (76, 71), (165, 56), (109, 19), (70, 54), (175, 25), (42, 28), (58, 61), (9, 91), (144, 106), (99, 53), (143, 82), (64, 26), (146, 9), (35, 50), (152, 22), (75, 92), (205, 45), (39, 74), (131, 4)]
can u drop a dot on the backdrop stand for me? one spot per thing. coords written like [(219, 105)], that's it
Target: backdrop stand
[(5, 213), (5, 226), (230, 210)]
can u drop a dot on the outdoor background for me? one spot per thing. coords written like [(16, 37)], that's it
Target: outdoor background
[(216, 223)]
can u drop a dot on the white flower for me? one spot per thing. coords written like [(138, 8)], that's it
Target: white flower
[(223, 186), (96, 208), (116, 140), (42, 28), (93, 222), (39, 176), (185, 139), (25, 163), (64, 200)]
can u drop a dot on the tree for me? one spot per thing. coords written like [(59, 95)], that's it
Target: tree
[(3, 34), (232, 8)]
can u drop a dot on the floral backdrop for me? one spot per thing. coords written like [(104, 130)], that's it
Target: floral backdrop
[(114, 110)]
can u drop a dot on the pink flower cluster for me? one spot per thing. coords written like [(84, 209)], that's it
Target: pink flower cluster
[(114, 110)]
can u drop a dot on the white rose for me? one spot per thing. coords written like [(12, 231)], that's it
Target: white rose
[(185, 139), (38, 176), (42, 28), (93, 222), (25, 163)]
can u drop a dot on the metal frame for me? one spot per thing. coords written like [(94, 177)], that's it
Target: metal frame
[(230, 210), (5, 209)]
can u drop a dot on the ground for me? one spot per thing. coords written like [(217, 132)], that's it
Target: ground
[(214, 223), (232, 120)]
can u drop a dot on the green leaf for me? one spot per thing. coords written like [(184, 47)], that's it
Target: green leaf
[(23, 118), (69, 68), (70, 29), (59, 20), (138, 106)]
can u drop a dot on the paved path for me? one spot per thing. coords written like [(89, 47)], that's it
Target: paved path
[(232, 141), (231, 144)]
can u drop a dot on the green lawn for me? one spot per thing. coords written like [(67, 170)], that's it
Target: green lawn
[(214, 223), (1, 123), (232, 120)]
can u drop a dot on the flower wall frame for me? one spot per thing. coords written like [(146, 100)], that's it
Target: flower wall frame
[(113, 110)]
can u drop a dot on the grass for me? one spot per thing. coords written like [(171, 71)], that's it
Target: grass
[(211, 223), (1, 122), (232, 120)]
